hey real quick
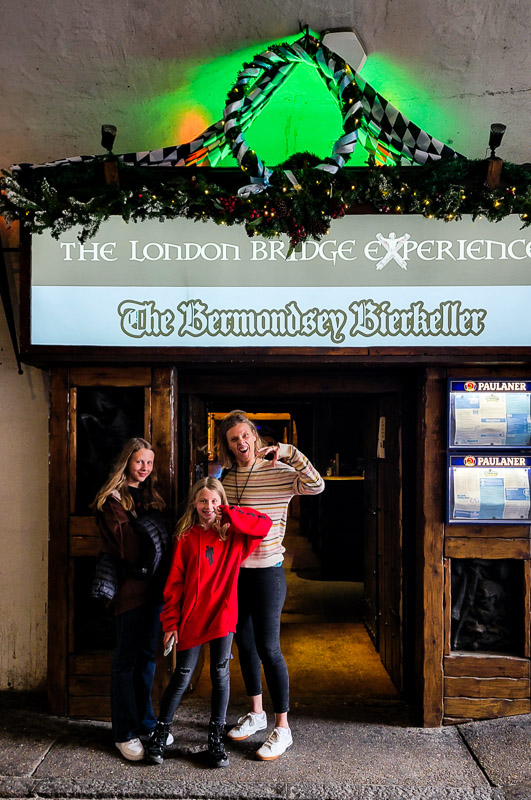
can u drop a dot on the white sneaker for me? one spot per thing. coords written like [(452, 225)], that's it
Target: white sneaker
[(133, 750), (248, 725), (278, 741)]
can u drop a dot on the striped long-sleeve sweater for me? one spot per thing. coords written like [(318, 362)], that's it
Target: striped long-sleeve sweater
[(269, 489)]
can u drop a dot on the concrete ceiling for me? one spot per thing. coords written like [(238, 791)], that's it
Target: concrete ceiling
[(68, 66)]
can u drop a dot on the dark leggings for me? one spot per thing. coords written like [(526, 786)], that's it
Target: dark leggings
[(219, 675), (261, 595)]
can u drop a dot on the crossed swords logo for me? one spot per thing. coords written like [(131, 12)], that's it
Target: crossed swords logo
[(392, 245)]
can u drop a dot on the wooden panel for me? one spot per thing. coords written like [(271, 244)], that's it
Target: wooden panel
[(163, 438), (487, 708), (90, 707), (430, 481), (88, 685), (486, 666), (480, 547), (488, 531), (83, 526), (85, 546), (510, 688), (390, 541), (84, 537), (72, 461), (293, 381), (148, 422), (58, 545), (447, 607), (527, 609), (163, 409), (95, 376), (94, 663)]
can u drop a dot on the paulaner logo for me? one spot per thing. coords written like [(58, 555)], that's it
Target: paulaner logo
[(470, 386), (501, 461), (469, 461)]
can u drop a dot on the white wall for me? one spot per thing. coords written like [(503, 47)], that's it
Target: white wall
[(24, 410), (71, 65)]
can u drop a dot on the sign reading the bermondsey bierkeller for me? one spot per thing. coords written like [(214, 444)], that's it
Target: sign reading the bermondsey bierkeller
[(372, 281)]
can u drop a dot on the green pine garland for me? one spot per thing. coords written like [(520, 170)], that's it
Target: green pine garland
[(75, 195)]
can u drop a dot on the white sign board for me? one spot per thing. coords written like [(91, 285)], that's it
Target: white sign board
[(372, 281)]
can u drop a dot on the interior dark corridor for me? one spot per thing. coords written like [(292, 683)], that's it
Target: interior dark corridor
[(328, 650), (343, 622)]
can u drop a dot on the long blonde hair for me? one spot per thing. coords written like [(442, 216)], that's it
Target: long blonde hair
[(190, 516), (234, 418), (117, 480)]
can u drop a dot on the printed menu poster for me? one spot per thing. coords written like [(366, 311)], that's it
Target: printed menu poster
[(498, 419), (491, 493)]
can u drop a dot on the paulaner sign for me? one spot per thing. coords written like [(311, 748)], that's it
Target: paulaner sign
[(372, 281)]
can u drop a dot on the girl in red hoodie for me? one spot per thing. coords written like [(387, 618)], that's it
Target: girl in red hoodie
[(200, 603)]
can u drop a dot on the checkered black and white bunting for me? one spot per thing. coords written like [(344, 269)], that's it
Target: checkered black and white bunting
[(380, 127)]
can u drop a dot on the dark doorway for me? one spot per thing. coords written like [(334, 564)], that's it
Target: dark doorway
[(347, 618)]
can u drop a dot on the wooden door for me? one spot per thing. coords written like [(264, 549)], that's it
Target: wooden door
[(193, 443), (390, 571), (93, 412), (370, 524)]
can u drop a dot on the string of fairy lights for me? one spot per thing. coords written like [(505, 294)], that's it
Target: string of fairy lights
[(79, 198)]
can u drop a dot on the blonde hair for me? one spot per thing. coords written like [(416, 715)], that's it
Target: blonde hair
[(117, 480), (233, 418), (190, 516)]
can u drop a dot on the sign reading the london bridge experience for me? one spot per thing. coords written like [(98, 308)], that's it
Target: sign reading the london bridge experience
[(373, 280)]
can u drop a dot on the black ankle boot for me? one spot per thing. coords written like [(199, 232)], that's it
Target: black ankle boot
[(156, 746), (216, 752)]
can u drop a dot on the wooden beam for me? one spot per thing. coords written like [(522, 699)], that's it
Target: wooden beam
[(430, 527), (479, 547), (509, 688), (483, 665), (484, 708), (58, 572), (487, 531)]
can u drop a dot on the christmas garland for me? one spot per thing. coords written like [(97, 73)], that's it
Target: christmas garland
[(76, 196)]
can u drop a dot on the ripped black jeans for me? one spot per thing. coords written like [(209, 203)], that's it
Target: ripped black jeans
[(220, 655)]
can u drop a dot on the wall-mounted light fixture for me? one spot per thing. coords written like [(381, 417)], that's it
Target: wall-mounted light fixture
[(108, 135), (494, 164), (497, 129), (110, 165)]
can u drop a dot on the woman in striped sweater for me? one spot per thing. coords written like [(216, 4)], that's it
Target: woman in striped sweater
[(265, 477)]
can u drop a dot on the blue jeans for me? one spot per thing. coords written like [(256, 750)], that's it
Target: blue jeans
[(261, 596), (220, 656), (133, 670)]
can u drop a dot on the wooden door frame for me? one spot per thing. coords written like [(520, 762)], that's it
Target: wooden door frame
[(351, 379), (163, 419)]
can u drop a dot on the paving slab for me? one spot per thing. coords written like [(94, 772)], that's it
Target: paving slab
[(503, 748), (342, 751)]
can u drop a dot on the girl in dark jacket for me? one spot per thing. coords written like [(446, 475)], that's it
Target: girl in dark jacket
[(129, 493), (200, 603)]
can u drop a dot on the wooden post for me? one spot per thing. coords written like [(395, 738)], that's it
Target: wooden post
[(494, 168), (430, 553), (58, 546), (110, 171)]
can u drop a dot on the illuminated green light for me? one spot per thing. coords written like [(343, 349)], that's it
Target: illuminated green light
[(302, 115)]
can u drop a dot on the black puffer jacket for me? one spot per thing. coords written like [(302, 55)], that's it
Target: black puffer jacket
[(154, 531), (108, 576)]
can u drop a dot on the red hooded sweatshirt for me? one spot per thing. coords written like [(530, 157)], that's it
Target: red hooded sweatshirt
[(200, 596)]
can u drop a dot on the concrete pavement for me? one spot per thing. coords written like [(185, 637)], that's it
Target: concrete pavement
[(341, 750)]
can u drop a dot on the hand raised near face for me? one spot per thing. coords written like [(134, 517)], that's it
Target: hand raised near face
[(270, 453)]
